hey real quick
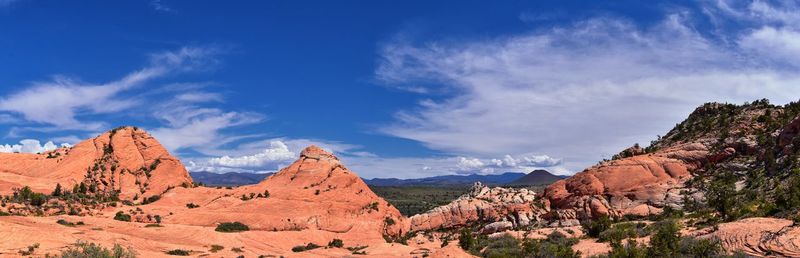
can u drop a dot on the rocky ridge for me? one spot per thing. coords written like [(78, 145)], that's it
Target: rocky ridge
[(501, 208)]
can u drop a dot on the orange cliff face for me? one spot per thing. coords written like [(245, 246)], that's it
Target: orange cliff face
[(126, 159)]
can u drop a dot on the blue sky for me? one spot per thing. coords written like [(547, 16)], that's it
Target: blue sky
[(411, 89)]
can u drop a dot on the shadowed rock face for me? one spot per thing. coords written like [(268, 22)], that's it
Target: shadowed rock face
[(126, 159), (503, 208)]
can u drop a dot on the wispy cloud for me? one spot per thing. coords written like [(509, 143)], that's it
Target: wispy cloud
[(59, 102), (586, 90), (159, 6)]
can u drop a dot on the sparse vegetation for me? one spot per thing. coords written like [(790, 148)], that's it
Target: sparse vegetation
[(303, 248), (121, 216), (192, 205), (91, 250), (229, 227), (216, 248), (29, 250), (556, 245), (412, 200), (178, 252), (338, 243)]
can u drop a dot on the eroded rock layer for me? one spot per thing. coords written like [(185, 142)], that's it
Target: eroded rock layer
[(502, 208)]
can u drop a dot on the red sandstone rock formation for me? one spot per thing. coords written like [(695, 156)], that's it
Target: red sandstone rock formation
[(638, 185), (503, 208), (126, 159)]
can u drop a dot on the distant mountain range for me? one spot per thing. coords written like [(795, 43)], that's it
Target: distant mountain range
[(537, 177), (500, 179), (228, 179)]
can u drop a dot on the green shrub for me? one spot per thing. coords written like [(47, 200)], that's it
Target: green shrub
[(556, 245), (665, 241), (622, 231), (465, 239), (595, 227), (65, 223), (91, 250), (151, 199), (228, 227), (216, 248), (178, 252), (30, 250), (338, 243), (303, 248), (121, 216), (502, 247)]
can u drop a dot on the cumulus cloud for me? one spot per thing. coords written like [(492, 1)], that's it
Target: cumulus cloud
[(253, 156), (586, 90), (30, 146), (277, 152)]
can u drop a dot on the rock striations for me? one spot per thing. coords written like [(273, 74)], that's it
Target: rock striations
[(502, 208)]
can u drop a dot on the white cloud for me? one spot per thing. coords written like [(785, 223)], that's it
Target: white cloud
[(253, 156), (469, 164), (277, 152), (582, 91), (61, 100), (159, 6), (30, 146)]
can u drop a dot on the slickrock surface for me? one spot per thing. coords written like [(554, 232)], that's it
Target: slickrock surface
[(759, 237), (507, 207), (314, 200), (125, 159), (638, 185), (315, 192)]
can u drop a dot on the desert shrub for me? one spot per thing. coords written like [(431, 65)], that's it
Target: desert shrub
[(338, 243), (228, 227), (30, 250), (91, 250), (677, 247), (388, 221), (630, 250), (57, 191), (192, 205), (465, 239), (237, 250), (665, 241), (303, 248), (501, 247), (216, 248), (621, 231), (65, 223), (178, 252), (556, 245), (151, 199), (593, 228), (121, 216)]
